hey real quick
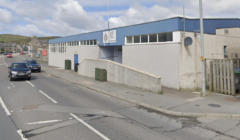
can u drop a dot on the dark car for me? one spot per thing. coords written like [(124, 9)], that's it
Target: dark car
[(33, 65), (19, 71), (5, 53)]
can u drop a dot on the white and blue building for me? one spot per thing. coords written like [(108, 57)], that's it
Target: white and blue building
[(155, 47)]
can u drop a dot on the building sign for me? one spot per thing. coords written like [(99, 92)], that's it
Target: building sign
[(44, 52), (109, 36)]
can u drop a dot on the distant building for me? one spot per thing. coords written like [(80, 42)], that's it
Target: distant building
[(37, 46)]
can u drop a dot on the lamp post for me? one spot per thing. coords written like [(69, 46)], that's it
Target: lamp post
[(202, 48)]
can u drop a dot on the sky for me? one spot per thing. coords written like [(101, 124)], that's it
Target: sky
[(70, 17)]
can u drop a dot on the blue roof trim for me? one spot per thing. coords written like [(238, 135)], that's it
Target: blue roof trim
[(167, 25)]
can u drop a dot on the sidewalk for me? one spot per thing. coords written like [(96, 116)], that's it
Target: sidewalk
[(172, 102)]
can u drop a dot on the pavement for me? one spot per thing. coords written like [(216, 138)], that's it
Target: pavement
[(172, 102)]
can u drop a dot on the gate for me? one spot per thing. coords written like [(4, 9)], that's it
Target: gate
[(222, 76)]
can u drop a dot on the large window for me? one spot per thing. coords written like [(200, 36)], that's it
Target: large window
[(165, 37), (62, 47), (150, 38), (144, 39), (153, 38), (136, 39), (129, 39)]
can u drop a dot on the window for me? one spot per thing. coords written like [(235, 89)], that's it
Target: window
[(87, 42), (225, 52), (164, 37), (91, 42), (94, 42), (153, 38), (144, 39), (82, 43), (129, 39), (136, 39)]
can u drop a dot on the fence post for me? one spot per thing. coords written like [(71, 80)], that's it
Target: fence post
[(217, 76), (221, 75), (232, 78), (211, 77), (214, 76), (228, 76), (225, 77)]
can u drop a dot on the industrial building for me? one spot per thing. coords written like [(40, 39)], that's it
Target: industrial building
[(157, 47)]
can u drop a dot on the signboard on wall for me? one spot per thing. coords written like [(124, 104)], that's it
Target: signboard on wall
[(109, 36), (44, 52)]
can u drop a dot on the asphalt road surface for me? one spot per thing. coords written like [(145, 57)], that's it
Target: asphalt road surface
[(47, 108)]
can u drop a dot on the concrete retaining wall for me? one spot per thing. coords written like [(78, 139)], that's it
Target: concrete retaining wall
[(121, 74)]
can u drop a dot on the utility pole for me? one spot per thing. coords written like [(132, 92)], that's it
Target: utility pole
[(202, 47), (183, 21), (108, 22)]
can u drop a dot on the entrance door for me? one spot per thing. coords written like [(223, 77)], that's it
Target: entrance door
[(75, 58)]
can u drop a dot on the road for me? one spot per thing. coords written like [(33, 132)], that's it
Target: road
[(48, 108)]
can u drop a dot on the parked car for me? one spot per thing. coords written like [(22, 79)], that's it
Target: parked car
[(19, 70), (21, 53), (5, 53), (33, 65), (9, 55)]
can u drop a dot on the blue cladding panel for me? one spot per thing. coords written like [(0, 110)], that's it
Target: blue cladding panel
[(210, 25), (168, 25)]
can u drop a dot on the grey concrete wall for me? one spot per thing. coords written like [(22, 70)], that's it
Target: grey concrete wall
[(160, 59), (121, 74), (84, 52)]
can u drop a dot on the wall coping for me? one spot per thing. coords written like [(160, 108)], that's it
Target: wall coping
[(143, 72)]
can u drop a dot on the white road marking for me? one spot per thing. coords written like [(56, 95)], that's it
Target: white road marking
[(4, 107), (5, 62), (12, 85), (8, 87), (48, 96), (195, 99), (90, 127), (30, 83), (42, 122), (20, 133)]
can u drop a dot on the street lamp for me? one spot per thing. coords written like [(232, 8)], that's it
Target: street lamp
[(202, 48)]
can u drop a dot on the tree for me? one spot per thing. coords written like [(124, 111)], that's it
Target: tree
[(2, 49)]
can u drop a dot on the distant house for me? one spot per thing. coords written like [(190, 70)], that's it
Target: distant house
[(10, 47), (1, 46), (36, 46)]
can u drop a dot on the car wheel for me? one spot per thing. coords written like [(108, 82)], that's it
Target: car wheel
[(39, 70), (11, 79), (29, 78)]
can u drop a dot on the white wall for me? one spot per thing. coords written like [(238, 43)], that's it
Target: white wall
[(161, 59), (121, 74), (84, 52), (190, 62)]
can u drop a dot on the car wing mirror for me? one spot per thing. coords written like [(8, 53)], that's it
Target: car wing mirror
[(9, 67)]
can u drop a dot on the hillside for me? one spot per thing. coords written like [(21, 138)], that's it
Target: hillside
[(18, 39)]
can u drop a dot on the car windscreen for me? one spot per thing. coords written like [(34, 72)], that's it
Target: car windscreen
[(19, 66), (32, 62)]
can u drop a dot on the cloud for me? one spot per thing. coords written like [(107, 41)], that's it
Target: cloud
[(139, 14), (69, 17), (6, 16), (28, 30)]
